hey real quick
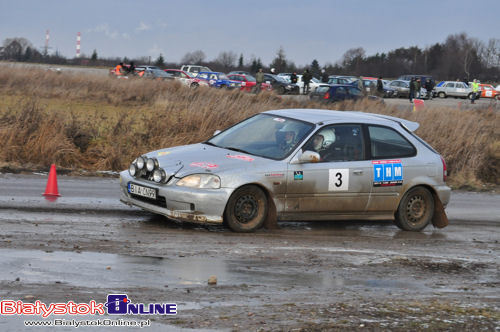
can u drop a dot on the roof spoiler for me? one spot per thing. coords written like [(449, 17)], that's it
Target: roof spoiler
[(410, 125)]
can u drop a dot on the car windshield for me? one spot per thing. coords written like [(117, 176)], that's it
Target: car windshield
[(223, 77), (250, 78), (280, 78), (315, 80), (264, 135)]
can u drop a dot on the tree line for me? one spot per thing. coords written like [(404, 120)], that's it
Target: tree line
[(458, 57)]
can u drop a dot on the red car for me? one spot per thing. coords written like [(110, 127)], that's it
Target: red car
[(185, 78), (248, 82)]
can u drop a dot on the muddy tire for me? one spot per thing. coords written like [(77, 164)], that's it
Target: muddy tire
[(415, 210), (442, 95), (246, 209)]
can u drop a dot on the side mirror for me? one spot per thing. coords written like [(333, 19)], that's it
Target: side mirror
[(217, 132), (309, 157)]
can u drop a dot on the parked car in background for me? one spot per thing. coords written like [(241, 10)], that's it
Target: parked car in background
[(498, 87), (319, 92), (239, 72), (218, 80), (446, 89), (152, 73), (313, 84), (248, 82), (185, 78), (488, 91), (402, 87), (194, 69), (281, 85), (296, 164), (423, 78), (339, 92), (370, 85), (335, 79)]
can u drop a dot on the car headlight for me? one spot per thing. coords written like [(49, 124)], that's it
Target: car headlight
[(151, 164), (159, 175), (140, 162), (204, 181), (132, 169)]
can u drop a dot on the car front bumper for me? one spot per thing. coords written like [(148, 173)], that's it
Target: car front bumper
[(179, 203)]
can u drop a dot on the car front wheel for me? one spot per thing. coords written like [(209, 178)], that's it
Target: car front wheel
[(246, 209), (442, 95), (415, 210)]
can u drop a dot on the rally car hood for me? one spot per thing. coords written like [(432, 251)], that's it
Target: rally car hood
[(202, 158)]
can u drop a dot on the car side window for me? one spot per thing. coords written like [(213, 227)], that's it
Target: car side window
[(355, 91), (388, 143), (338, 143)]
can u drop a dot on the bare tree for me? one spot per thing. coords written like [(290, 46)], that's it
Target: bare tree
[(279, 63), (227, 59), (352, 59), (491, 53), (15, 48), (193, 57)]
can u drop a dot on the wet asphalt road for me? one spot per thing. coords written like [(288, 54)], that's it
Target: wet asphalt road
[(305, 275)]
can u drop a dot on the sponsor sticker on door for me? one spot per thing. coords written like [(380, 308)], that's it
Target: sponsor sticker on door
[(387, 173)]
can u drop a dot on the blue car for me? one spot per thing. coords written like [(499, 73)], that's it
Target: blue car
[(341, 92), (218, 80)]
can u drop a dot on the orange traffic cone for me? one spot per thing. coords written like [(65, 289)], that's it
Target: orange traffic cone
[(51, 189)]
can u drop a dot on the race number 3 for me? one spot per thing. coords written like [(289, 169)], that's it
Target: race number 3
[(338, 179)]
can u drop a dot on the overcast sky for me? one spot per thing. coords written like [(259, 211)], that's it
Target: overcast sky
[(306, 29)]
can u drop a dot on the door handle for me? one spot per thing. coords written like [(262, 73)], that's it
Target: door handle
[(358, 171)]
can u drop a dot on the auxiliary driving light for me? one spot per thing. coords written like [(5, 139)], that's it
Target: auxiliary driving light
[(132, 169), (151, 164), (140, 162), (159, 175)]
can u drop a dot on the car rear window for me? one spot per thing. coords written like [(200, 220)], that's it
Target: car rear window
[(388, 143)]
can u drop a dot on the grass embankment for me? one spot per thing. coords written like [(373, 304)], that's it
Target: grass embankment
[(96, 123)]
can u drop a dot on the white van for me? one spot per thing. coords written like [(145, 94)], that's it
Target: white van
[(194, 69)]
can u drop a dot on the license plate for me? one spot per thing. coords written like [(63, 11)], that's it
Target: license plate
[(141, 191)]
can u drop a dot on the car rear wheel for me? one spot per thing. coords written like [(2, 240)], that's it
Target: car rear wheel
[(194, 85), (415, 210), (442, 95), (246, 209)]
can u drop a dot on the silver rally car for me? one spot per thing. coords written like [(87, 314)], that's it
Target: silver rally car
[(296, 164)]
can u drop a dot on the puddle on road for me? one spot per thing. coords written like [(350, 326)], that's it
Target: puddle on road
[(98, 270)]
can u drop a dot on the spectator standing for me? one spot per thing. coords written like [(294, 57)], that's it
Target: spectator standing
[(119, 69), (259, 78), (411, 95), (429, 86), (361, 85), (324, 76), (380, 87), (475, 90), (306, 78), (418, 86), (293, 78)]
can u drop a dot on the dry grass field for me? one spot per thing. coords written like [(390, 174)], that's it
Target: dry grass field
[(84, 122)]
